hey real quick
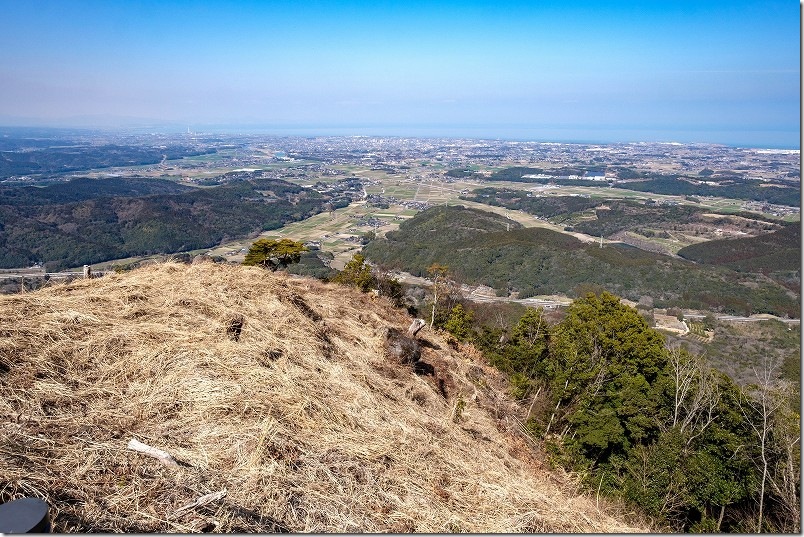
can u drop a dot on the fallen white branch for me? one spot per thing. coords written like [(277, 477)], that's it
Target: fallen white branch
[(203, 500), (163, 456)]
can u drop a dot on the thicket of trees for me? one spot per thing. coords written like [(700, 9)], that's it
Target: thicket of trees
[(315, 264), (358, 273), (651, 424)]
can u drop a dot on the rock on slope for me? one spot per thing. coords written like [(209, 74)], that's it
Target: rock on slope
[(276, 389)]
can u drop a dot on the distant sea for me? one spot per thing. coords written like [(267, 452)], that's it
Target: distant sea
[(763, 139), (760, 139)]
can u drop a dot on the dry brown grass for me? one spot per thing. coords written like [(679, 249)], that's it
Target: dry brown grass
[(305, 422)]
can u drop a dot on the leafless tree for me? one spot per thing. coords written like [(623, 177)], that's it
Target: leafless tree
[(784, 476), (696, 394), (445, 288), (758, 405), (438, 273)]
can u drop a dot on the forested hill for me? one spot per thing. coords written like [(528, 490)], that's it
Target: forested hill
[(66, 233), (484, 248), (46, 157), (83, 188), (777, 251)]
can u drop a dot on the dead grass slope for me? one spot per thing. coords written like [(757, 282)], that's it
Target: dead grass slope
[(301, 417)]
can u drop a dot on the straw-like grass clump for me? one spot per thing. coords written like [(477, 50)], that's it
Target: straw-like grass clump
[(275, 389)]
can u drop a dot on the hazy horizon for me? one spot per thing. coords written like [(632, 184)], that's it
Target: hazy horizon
[(521, 134), (599, 72)]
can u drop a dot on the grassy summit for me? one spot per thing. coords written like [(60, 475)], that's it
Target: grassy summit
[(277, 389)]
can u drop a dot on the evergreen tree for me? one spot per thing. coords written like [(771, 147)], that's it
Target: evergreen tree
[(273, 254), (606, 375), (356, 273), (459, 322)]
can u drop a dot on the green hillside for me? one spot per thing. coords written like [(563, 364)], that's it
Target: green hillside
[(780, 250), (52, 159), (83, 188), (532, 261), (776, 255), (94, 230)]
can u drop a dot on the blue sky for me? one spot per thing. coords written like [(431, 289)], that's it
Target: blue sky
[(708, 71)]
